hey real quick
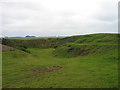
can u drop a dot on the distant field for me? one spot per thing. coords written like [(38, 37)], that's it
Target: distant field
[(88, 61), (28, 38)]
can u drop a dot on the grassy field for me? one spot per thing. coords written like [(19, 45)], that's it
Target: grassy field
[(77, 64), (78, 72)]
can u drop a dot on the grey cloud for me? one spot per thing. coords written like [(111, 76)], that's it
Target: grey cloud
[(40, 20), (108, 12), (17, 5), (108, 18)]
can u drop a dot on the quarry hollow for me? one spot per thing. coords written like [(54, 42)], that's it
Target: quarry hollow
[(90, 61)]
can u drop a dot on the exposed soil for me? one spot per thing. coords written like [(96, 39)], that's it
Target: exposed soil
[(83, 52), (46, 69), (4, 47)]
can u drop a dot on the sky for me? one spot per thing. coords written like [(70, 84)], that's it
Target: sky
[(57, 17)]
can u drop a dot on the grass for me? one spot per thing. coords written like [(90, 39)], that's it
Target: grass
[(85, 61), (92, 71)]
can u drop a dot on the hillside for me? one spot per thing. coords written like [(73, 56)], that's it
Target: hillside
[(90, 38), (70, 46), (88, 44), (84, 61)]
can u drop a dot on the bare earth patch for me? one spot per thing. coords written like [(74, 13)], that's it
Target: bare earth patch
[(5, 47), (46, 69)]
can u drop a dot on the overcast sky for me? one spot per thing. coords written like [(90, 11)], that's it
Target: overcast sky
[(58, 17)]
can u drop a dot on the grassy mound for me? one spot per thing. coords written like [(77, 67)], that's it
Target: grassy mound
[(98, 39), (94, 44), (73, 50)]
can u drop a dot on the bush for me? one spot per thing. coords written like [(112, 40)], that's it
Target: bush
[(23, 49)]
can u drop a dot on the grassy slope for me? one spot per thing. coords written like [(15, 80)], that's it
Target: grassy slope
[(98, 69), (87, 44), (94, 39)]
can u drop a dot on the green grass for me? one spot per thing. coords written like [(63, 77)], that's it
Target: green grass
[(73, 50), (92, 71), (51, 42), (88, 44), (87, 61)]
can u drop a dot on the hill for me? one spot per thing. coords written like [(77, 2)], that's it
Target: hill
[(88, 44), (70, 46)]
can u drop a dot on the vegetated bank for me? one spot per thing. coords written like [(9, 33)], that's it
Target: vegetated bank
[(70, 46)]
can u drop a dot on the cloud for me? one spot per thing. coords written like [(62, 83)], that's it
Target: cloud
[(58, 17)]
